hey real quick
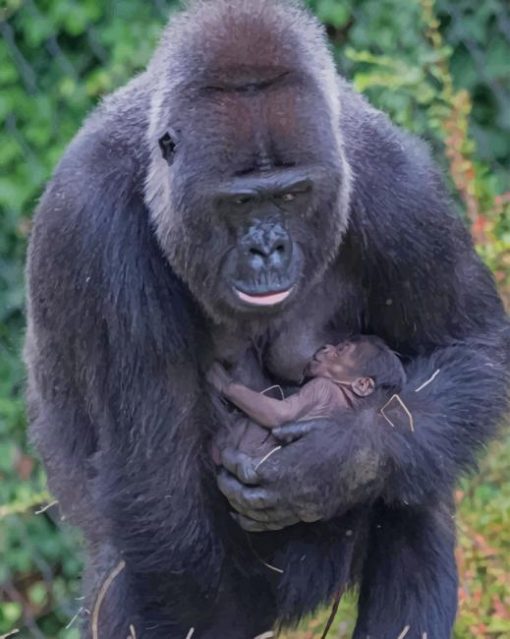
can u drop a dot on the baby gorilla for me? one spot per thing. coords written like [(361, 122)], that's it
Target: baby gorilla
[(340, 377)]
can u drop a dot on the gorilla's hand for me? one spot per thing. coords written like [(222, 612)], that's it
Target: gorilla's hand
[(323, 468)]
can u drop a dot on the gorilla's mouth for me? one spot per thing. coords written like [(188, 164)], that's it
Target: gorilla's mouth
[(264, 299)]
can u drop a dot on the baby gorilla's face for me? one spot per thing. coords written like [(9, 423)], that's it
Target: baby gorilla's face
[(345, 362)]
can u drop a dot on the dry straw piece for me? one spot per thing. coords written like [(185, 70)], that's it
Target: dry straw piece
[(268, 390), (429, 381), (266, 457), (404, 408), (102, 594), (274, 569), (45, 508), (332, 614)]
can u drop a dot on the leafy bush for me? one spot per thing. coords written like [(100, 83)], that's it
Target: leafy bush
[(440, 71)]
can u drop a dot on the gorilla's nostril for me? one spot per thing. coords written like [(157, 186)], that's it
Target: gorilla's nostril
[(257, 252), (280, 248)]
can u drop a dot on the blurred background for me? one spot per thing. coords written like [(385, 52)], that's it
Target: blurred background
[(439, 68)]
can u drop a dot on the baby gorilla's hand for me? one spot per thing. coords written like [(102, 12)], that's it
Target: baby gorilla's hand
[(218, 377)]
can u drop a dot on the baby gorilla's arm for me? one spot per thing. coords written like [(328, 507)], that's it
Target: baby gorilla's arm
[(219, 377), (264, 410)]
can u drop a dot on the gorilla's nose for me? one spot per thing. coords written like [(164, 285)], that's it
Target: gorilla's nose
[(268, 246)]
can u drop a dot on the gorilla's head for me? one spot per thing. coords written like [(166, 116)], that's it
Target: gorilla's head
[(248, 184)]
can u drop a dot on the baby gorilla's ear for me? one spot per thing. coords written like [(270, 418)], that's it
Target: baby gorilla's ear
[(363, 386)]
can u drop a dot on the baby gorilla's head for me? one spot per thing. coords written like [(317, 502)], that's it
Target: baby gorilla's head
[(365, 363)]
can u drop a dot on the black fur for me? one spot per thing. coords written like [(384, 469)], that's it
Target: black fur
[(118, 344)]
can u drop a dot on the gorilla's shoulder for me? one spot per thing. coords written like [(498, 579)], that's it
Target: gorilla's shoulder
[(378, 149), (111, 144), (402, 216), (398, 190)]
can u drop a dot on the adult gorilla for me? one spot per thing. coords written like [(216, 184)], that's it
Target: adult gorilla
[(239, 198)]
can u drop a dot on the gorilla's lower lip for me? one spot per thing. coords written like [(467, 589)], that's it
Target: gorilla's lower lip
[(268, 299)]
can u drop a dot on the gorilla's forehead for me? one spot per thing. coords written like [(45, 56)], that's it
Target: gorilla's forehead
[(245, 77), (224, 34), (278, 120), (281, 107)]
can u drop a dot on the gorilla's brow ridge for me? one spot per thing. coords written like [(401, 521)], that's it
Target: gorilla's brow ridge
[(224, 85)]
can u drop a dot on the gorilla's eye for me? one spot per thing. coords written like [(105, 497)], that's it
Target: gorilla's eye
[(242, 200), (286, 197), (167, 144)]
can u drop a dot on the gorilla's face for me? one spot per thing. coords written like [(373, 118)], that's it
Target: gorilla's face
[(264, 263), (256, 194)]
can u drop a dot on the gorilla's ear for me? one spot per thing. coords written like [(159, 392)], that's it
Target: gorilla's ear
[(168, 145), (363, 386)]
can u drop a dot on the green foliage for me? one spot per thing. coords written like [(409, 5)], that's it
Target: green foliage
[(60, 56), (382, 44)]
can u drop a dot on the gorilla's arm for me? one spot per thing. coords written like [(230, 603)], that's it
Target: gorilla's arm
[(114, 382), (433, 301)]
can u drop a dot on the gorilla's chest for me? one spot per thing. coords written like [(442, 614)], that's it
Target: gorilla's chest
[(277, 351), (278, 355)]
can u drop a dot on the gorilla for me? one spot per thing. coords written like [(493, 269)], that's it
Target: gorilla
[(238, 201)]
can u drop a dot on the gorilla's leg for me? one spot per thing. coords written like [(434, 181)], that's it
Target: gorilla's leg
[(409, 584), (111, 605), (234, 618), (126, 607)]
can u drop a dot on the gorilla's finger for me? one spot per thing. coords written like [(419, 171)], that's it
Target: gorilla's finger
[(292, 432), (241, 466), (244, 498), (306, 513), (269, 515), (258, 516), (309, 514), (256, 526)]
